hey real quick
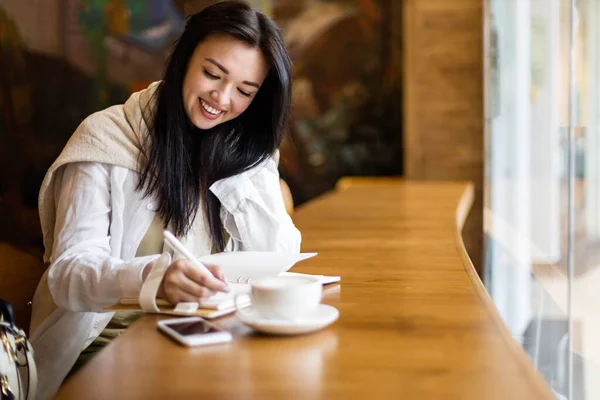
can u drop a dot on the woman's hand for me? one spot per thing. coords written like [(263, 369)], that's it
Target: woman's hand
[(185, 282)]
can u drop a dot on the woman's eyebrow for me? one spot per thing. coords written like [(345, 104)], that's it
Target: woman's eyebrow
[(221, 67), (226, 71)]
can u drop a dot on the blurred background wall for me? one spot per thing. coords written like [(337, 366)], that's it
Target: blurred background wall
[(381, 87), (62, 60)]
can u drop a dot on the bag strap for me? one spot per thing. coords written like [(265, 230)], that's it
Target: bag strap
[(33, 378)]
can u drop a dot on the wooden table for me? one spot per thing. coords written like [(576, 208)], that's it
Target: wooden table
[(415, 321)]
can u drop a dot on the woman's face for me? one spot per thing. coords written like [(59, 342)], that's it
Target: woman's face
[(223, 76)]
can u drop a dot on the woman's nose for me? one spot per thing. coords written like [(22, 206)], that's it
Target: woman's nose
[(221, 98)]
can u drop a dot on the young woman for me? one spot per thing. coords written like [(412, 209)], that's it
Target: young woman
[(196, 153)]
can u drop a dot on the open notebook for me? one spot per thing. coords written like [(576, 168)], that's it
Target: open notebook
[(239, 269), (213, 307)]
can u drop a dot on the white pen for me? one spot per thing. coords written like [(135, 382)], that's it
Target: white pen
[(177, 245)]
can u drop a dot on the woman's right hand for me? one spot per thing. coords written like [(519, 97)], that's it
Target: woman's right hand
[(183, 281)]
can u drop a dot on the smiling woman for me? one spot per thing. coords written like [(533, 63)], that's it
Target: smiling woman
[(236, 77), (195, 153), (223, 77)]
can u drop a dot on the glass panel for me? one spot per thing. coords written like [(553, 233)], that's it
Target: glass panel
[(585, 298), (542, 199), (527, 178)]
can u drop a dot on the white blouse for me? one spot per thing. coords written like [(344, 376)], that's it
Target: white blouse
[(100, 221)]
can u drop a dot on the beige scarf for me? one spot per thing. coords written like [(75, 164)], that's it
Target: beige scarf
[(113, 136)]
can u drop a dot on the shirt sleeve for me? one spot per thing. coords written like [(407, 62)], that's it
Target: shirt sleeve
[(83, 275), (253, 211)]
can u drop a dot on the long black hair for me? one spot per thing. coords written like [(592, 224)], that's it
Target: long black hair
[(183, 161)]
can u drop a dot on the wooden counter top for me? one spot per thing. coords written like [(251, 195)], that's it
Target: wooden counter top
[(415, 321)]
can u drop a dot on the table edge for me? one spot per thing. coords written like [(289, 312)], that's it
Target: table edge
[(532, 374)]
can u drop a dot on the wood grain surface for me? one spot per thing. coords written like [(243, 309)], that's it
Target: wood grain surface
[(415, 321)]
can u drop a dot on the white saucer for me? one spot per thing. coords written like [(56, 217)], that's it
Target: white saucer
[(322, 317)]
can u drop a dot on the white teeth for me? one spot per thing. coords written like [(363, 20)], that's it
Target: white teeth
[(209, 108)]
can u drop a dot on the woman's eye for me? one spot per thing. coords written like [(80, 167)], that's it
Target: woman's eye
[(210, 76), (246, 94)]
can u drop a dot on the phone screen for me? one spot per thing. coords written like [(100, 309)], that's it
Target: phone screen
[(193, 328)]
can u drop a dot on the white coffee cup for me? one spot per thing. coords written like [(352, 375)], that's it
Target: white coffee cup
[(285, 297)]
